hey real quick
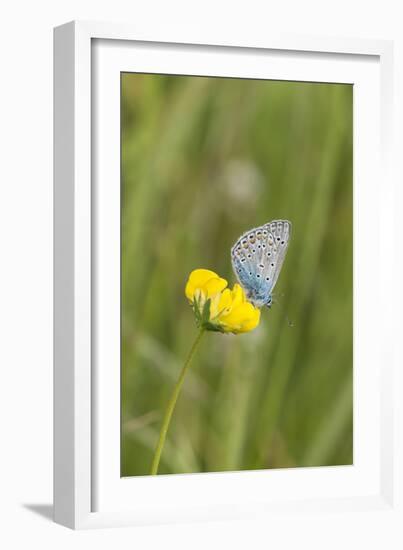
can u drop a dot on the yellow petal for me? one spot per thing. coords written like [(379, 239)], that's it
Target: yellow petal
[(252, 322), (225, 300), (197, 279), (200, 276), (214, 301), (238, 295), (236, 316), (189, 291), (241, 318), (213, 286), (220, 304)]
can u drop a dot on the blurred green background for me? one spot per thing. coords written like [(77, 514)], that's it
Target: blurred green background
[(203, 160)]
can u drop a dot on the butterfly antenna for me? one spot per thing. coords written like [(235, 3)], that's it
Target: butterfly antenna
[(289, 322)]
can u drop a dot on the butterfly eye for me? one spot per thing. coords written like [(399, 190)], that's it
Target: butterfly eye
[(267, 278), (272, 264)]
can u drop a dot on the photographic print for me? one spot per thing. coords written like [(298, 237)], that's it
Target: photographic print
[(236, 274)]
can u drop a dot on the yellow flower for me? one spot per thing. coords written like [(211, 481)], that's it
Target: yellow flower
[(217, 307)]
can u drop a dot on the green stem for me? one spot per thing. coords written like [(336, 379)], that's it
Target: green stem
[(171, 405)]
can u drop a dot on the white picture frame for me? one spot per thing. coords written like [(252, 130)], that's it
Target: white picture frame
[(88, 490)]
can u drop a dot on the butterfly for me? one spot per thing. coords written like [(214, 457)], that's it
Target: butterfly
[(257, 258)]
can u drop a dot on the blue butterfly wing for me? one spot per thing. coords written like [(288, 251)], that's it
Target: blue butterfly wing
[(257, 258), (281, 233)]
